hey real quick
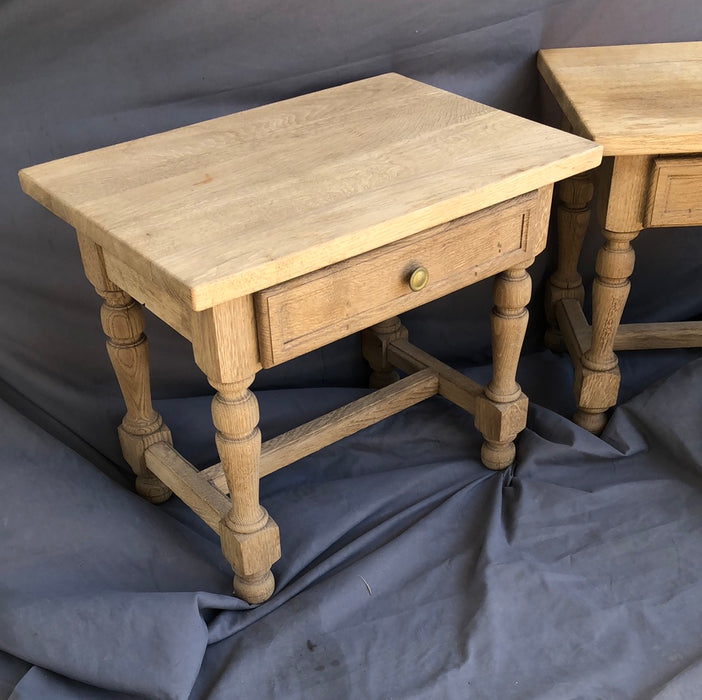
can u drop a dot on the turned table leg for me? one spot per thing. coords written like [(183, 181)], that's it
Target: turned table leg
[(225, 348), (123, 323), (573, 215), (501, 411), (597, 378), (374, 343), (250, 538)]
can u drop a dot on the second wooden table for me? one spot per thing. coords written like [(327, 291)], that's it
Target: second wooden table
[(643, 103)]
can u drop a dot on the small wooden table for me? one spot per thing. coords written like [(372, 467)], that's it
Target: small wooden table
[(643, 103), (262, 235)]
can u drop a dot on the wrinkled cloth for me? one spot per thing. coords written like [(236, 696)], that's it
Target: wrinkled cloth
[(408, 569)]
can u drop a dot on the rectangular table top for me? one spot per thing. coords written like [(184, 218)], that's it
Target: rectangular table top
[(643, 99), (229, 206)]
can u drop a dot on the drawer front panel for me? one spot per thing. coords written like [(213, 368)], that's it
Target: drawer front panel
[(308, 312), (675, 197)]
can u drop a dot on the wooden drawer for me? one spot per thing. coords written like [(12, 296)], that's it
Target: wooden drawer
[(308, 312), (675, 197)]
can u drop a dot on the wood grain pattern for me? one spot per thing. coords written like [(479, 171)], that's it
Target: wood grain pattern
[(501, 411), (314, 310), (453, 385), (159, 301), (185, 481), (573, 216), (306, 439), (576, 331), (623, 190), (317, 209), (374, 345), (675, 198), (285, 189), (639, 102), (663, 334), (623, 96), (630, 336), (225, 348), (127, 347)]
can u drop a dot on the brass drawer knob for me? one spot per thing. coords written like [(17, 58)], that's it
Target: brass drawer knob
[(419, 278)]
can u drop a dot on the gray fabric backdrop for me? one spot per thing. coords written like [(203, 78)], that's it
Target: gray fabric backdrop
[(576, 575)]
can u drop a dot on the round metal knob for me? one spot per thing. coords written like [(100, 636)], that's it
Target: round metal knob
[(419, 278)]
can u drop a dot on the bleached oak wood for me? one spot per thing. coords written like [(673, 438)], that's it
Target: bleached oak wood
[(634, 100), (453, 385), (597, 377), (573, 325), (306, 439), (676, 192), (630, 336), (225, 348), (289, 188), (671, 334), (624, 183), (265, 234), (639, 102), (573, 216), (502, 409), (162, 304), (186, 482), (374, 345), (316, 309), (123, 324)]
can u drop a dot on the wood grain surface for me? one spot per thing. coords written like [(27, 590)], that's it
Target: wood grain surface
[(634, 100), (223, 208)]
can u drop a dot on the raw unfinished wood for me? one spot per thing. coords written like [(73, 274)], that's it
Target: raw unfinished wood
[(225, 348), (624, 183), (498, 419), (162, 304), (123, 324), (597, 377), (630, 336), (305, 313), (634, 100), (502, 413), (374, 345), (453, 385), (676, 192), (321, 208), (573, 325), (639, 102), (610, 289), (185, 481), (286, 189), (671, 334), (306, 439), (573, 216)]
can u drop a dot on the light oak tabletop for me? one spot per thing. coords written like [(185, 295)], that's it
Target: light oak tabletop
[(233, 205), (642, 99)]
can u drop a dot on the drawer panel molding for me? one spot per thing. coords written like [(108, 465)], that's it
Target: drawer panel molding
[(311, 311), (675, 197)]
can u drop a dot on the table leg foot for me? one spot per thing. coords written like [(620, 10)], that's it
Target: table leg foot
[(254, 589), (250, 538), (497, 455), (592, 422)]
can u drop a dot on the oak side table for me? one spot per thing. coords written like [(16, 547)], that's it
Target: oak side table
[(265, 234), (643, 104)]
